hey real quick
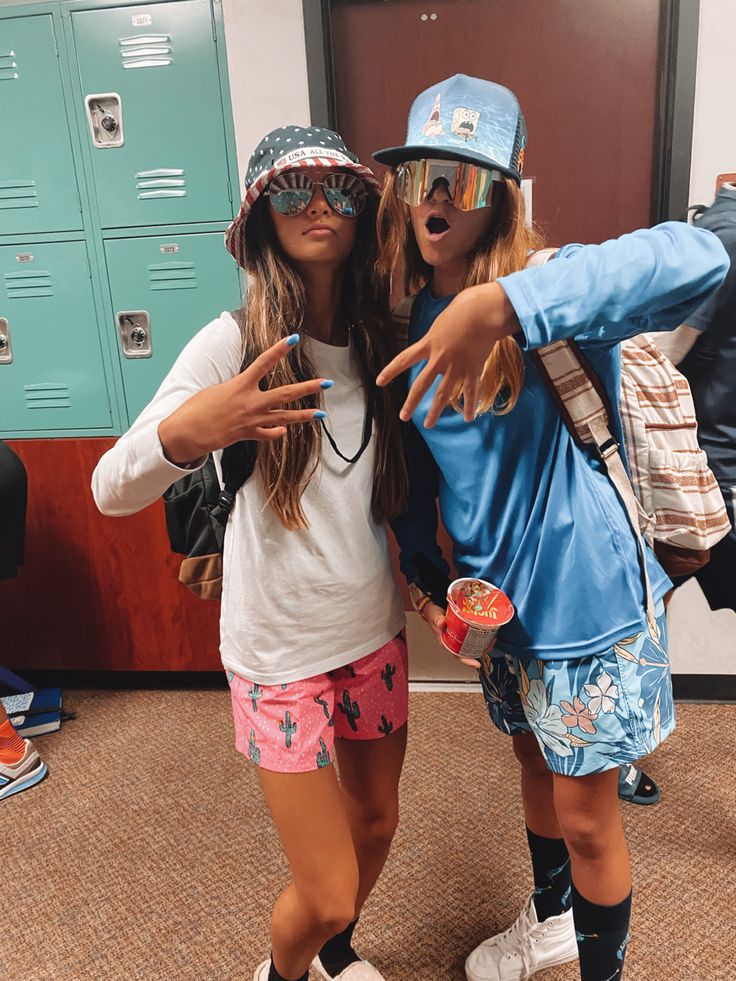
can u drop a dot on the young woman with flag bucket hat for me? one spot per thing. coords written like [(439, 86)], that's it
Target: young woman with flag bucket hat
[(311, 622), (580, 676)]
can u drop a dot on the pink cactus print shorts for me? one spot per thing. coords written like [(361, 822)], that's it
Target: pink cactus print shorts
[(292, 728)]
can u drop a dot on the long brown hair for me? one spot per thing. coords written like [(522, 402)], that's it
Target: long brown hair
[(274, 308), (502, 250)]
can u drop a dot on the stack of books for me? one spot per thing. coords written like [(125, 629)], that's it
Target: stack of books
[(34, 713)]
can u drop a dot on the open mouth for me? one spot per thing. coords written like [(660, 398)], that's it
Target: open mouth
[(437, 225)]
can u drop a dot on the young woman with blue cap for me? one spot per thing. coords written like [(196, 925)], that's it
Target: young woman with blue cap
[(580, 677)]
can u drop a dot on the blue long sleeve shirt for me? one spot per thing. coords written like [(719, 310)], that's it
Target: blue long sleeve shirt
[(525, 507)]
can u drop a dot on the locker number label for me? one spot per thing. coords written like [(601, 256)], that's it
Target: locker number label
[(169, 249), (24, 257), (141, 20)]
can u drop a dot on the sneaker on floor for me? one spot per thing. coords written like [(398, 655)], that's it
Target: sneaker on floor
[(357, 971), (29, 769), (526, 947), (262, 971)]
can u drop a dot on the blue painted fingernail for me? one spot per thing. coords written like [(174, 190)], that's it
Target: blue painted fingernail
[(319, 414), (327, 383), (291, 341)]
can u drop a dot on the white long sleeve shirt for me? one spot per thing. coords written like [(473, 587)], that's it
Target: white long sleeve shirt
[(294, 603)]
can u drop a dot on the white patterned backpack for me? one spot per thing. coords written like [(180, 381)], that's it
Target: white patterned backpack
[(671, 497)]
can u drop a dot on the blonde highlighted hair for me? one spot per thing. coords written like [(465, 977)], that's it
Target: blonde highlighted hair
[(274, 308), (503, 249)]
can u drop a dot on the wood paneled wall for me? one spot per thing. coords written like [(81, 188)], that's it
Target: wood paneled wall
[(97, 593)]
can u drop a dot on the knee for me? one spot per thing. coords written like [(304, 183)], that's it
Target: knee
[(331, 914), (329, 900), (378, 827), (582, 834)]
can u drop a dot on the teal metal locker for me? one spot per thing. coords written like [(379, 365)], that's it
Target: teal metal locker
[(116, 140), (153, 113), (51, 371), (164, 289), (38, 185)]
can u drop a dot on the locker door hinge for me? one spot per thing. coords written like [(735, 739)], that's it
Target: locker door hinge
[(230, 194), (214, 25)]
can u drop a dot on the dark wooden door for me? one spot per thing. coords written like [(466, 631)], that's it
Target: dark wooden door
[(586, 75), (584, 72)]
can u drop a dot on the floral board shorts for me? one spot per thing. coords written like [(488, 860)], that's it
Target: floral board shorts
[(591, 714), (292, 728)]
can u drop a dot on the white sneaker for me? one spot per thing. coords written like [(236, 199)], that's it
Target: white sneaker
[(262, 971), (29, 769), (526, 947), (357, 971)]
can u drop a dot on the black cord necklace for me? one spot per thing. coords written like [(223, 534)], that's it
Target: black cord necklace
[(367, 433), (367, 422)]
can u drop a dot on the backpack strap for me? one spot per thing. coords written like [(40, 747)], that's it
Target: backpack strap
[(402, 316), (540, 257), (583, 404), (610, 453), (238, 460)]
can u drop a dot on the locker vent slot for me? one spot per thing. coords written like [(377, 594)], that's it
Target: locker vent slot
[(161, 183), (29, 284), (172, 276), (18, 194), (47, 395), (8, 66), (146, 51)]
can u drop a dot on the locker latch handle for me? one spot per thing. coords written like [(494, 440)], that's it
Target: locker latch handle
[(107, 121), (6, 351), (134, 328), (105, 118)]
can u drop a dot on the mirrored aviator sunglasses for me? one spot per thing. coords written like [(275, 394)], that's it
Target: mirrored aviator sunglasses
[(467, 185), (291, 193)]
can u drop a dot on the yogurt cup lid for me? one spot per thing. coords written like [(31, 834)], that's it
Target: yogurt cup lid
[(480, 603)]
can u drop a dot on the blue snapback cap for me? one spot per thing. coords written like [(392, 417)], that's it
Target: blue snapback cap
[(468, 119)]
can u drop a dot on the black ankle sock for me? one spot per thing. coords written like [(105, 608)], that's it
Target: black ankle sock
[(551, 866), (602, 932), (338, 952), (273, 975)]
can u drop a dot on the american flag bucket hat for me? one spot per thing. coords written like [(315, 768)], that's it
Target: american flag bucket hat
[(285, 149)]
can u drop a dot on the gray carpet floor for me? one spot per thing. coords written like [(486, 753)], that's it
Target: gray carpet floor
[(148, 854)]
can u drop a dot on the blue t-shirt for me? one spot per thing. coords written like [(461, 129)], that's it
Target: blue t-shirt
[(525, 507)]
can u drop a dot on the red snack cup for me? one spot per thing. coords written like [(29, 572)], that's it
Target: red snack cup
[(476, 611)]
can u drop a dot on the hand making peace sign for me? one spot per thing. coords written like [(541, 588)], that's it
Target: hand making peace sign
[(238, 409), (456, 348)]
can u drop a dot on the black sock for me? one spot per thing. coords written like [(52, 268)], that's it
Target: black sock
[(338, 952), (551, 866), (273, 975), (602, 932)]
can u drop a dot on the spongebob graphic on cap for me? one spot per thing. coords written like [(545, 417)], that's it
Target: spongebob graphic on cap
[(464, 118)]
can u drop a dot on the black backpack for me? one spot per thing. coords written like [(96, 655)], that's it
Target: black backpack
[(197, 508)]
